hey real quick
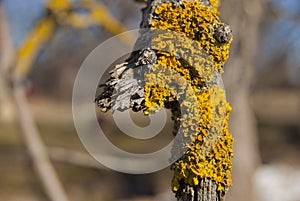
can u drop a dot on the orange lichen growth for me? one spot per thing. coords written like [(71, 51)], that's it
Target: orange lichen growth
[(158, 89), (210, 152), (194, 60), (196, 22), (188, 56), (205, 123), (215, 4)]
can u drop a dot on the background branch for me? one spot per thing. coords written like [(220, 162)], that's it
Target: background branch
[(6, 60), (36, 148)]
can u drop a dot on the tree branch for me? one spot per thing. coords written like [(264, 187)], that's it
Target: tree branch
[(178, 66)]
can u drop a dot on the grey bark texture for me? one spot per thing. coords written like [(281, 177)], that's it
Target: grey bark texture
[(124, 90)]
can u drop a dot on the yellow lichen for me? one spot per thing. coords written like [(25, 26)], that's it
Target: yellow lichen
[(209, 160), (197, 65), (184, 66), (59, 5), (196, 22), (215, 4)]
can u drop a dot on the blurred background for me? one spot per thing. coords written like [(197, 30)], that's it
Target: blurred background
[(262, 79)]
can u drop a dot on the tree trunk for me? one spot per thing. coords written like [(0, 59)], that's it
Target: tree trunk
[(185, 42), (238, 78)]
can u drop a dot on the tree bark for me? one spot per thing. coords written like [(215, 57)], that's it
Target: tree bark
[(191, 181)]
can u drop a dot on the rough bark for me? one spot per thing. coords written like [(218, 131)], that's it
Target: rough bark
[(127, 80)]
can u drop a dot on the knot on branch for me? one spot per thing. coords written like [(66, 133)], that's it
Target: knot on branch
[(223, 33)]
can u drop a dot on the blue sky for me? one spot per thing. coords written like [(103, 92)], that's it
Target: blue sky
[(292, 6), (23, 14), (283, 33)]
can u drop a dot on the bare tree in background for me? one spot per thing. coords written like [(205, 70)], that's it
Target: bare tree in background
[(245, 20), (6, 58)]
